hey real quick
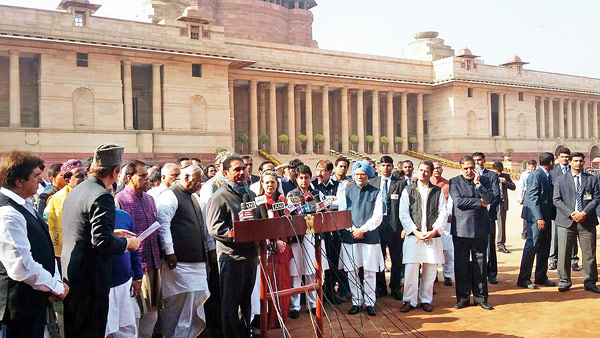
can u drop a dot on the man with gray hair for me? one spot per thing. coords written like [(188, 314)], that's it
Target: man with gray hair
[(184, 240), (168, 175)]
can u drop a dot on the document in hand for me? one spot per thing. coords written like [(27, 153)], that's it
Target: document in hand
[(151, 229)]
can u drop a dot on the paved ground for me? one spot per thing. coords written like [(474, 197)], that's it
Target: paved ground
[(518, 312)]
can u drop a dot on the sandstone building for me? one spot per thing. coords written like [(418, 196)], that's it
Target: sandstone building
[(200, 73)]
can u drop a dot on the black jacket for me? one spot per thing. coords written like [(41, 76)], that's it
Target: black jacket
[(564, 199), (392, 219), (469, 218)]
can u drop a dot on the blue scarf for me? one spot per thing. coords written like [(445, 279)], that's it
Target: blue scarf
[(239, 189)]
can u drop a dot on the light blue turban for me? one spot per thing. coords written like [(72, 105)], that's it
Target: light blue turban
[(364, 166)]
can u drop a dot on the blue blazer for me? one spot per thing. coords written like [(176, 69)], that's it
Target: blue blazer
[(538, 203), (564, 199), (469, 218)]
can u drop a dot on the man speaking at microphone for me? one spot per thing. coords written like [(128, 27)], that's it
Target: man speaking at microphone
[(237, 261)]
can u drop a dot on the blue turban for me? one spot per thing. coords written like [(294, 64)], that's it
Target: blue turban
[(364, 166)]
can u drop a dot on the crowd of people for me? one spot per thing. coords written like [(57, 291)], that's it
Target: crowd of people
[(107, 248)]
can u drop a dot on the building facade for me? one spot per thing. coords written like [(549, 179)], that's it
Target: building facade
[(204, 74)]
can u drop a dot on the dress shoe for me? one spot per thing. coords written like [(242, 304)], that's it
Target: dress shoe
[(575, 267), (552, 266), (333, 299), (493, 280), (380, 293), (371, 311), (524, 237), (427, 307), (314, 311), (503, 249), (547, 282), (486, 306), (447, 281), (294, 314), (563, 288), (593, 289), (354, 310), (527, 285), (397, 294), (462, 304), (406, 307)]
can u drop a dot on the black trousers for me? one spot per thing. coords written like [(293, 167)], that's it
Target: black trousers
[(391, 240), (28, 327), (333, 244), (236, 283), (212, 307), (492, 260), (537, 246), (85, 314), (470, 268)]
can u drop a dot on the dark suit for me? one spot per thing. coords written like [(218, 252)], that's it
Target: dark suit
[(494, 187), (568, 230), (537, 205), (555, 173), (502, 208), (470, 231), (389, 232), (254, 178)]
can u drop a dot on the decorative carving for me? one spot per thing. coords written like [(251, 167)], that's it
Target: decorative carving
[(310, 224)]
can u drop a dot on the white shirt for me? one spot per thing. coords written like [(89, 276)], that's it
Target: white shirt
[(154, 192), (523, 185), (373, 222), (166, 206), (15, 249)]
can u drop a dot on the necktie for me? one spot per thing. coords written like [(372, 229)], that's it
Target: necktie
[(578, 194), (384, 194), (564, 170)]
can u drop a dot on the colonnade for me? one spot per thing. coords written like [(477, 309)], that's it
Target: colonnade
[(572, 117)]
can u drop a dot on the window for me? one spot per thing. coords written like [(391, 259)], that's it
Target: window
[(469, 92), (520, 96), (194, 32), (183, 32), (196, 70), (82, 60), (205, 33), (425, 127), (79, 19)]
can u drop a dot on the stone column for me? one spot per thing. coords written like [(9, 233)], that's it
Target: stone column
[(14, 90), (344, 102), (273, 117), (390, 121), (326, 133), (595, 119), (360, 120), (156, 98), (298, 116), (309, 120), (253, 139), (127, 95), (501, 129), (232, 113), (291, 118), (420, 133), (542, 118), (262, 110), (550, 117), (404, 121), (586, 120), (375, 116), (561, 118), (569, 119), (578, 119)]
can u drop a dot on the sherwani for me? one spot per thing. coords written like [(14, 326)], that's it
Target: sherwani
[(416, 252)]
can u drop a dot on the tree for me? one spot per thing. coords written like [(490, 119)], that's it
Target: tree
[(243, 138), (319, 139), (302, 138), (283, 139), (264, 139), (370, 140), (384, 140), (412, 140), (398, 142), (354, 141)]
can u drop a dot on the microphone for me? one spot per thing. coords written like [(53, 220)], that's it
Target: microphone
[(320, 205), (247, 206), (311, 206)]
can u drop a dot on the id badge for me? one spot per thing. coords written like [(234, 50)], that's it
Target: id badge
[(587, 196), (394, 196)]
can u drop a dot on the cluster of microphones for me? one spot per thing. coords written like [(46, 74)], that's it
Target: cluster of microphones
[(278, 206)]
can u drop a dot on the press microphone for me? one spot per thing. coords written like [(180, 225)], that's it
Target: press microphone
[(277, 206), (320, 205), (311, 206), (247, 206)]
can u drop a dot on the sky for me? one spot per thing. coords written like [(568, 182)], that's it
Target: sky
[(552, 35)]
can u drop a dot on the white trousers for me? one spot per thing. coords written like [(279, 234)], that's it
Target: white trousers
[(311, 297), (362, 293), (448, 265), (121, 316), (412, 292)]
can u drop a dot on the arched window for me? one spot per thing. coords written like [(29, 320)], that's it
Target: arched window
[(198, 117), (471, 123), (522, 126), (83, 108)]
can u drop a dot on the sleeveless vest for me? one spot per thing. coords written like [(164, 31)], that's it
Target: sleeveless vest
[(415, 205), (187, 228), (361, 203)]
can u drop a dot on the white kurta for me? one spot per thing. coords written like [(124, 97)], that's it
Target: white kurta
[(417, 251), (303, 257)]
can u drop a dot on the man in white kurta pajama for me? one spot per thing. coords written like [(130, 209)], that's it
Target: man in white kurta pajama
[(423, 215), (360, 243)]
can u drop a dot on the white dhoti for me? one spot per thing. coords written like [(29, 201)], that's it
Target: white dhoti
[(366, 256), (121, 315), (185, 290), (303, 264)]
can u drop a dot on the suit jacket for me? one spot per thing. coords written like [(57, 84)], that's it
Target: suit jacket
[(392, 219), (564, 199), (469, 218), (254, 178), (537, 203), (556, 172), (505, 187), (492, 185)]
